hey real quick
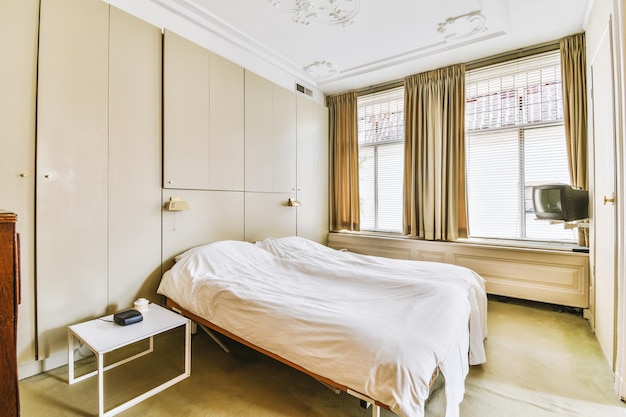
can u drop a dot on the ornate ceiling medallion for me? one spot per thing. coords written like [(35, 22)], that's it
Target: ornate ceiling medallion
[(463, 26), (321, 69), (330, 12)]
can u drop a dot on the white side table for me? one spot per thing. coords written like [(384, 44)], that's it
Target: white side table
[(103, 336)]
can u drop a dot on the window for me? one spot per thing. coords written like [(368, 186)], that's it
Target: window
[(515, 139), (381, 160)]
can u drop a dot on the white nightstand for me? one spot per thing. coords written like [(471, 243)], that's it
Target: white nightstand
[(103, 336)]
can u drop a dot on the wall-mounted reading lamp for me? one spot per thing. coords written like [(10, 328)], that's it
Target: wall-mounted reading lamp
[(175, 204), (292, 202)]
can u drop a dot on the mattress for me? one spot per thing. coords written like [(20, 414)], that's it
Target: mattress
[(376, 325)]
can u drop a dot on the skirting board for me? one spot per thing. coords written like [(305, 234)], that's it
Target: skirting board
[(34, 368)]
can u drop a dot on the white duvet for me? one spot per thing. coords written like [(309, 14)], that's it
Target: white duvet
[(378, 326)]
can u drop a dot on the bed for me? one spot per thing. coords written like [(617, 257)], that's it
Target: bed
[(374, 327)]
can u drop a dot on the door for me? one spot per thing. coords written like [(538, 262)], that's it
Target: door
[(604, 222)]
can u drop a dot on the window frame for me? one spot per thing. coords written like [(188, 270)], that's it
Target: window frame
[(524, 116)]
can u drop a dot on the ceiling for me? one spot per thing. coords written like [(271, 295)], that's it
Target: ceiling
[(372, 41)]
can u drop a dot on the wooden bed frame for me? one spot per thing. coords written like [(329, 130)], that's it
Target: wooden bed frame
[(376, 405)]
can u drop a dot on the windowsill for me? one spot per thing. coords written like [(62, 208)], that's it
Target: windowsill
[(519, 244)]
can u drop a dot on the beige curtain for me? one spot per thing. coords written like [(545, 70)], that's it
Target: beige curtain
[(434, 169), (344, 162), (573, 76), (575, 106)]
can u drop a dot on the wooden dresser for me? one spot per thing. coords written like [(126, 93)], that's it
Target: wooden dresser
[(9, 299)]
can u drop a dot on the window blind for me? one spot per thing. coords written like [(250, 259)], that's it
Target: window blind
[(381, 159), (514, 139)]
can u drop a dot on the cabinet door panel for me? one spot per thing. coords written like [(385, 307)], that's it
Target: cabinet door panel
[(259, 131), (284, 140), (227, 125), (135, 157), (19, 21), (72, 168), (313, 188), (186, 146), (270, 136)]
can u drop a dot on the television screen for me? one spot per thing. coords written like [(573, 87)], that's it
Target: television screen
[(560, 202)]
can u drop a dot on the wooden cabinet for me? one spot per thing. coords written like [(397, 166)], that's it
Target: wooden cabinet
[(203, 118), (9, 298)]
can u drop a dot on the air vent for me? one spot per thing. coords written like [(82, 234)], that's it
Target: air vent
[(302, 89)]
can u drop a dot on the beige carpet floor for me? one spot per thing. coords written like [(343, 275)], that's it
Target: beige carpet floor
[(541, 363)]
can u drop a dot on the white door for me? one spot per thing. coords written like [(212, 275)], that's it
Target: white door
[(604, 222)]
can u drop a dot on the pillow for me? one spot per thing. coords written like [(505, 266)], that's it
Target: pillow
[(284, 246), (220, 257)]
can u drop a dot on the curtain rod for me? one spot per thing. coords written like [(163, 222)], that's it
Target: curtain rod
[(482, 62)]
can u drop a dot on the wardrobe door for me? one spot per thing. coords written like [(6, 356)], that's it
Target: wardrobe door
[(19, 24), (270, 136), (226, 153), (259, 132), (186, 146), (284, 140), (134, 245), (313, 187), (72, 168)]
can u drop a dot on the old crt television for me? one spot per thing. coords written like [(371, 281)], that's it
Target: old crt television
[(560, 202)]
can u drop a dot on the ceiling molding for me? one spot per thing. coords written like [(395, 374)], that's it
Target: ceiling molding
[(425, 52), (194, 13)]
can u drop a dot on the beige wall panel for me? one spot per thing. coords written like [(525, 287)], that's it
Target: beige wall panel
[(431, 256), (258, 133), (312, 170), (226, 125), (557, 277), (268, 215), (186, 146), (19, 25), (213, 216), (134, 160), (547, 281), (72, 168)]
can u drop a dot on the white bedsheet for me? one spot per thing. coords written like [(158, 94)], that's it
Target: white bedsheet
[(375, 325)]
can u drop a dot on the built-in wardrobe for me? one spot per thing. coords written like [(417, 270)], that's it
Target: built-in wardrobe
[(112, 116), (241, 151), (82, 163)]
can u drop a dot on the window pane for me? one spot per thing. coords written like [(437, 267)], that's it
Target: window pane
[(545, 158), (390, 178), (493, 184), (381, 159), (514, 139), (367, 191)]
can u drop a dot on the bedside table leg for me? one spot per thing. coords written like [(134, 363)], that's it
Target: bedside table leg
[(70, 358), (188, 348), (100, 385)]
